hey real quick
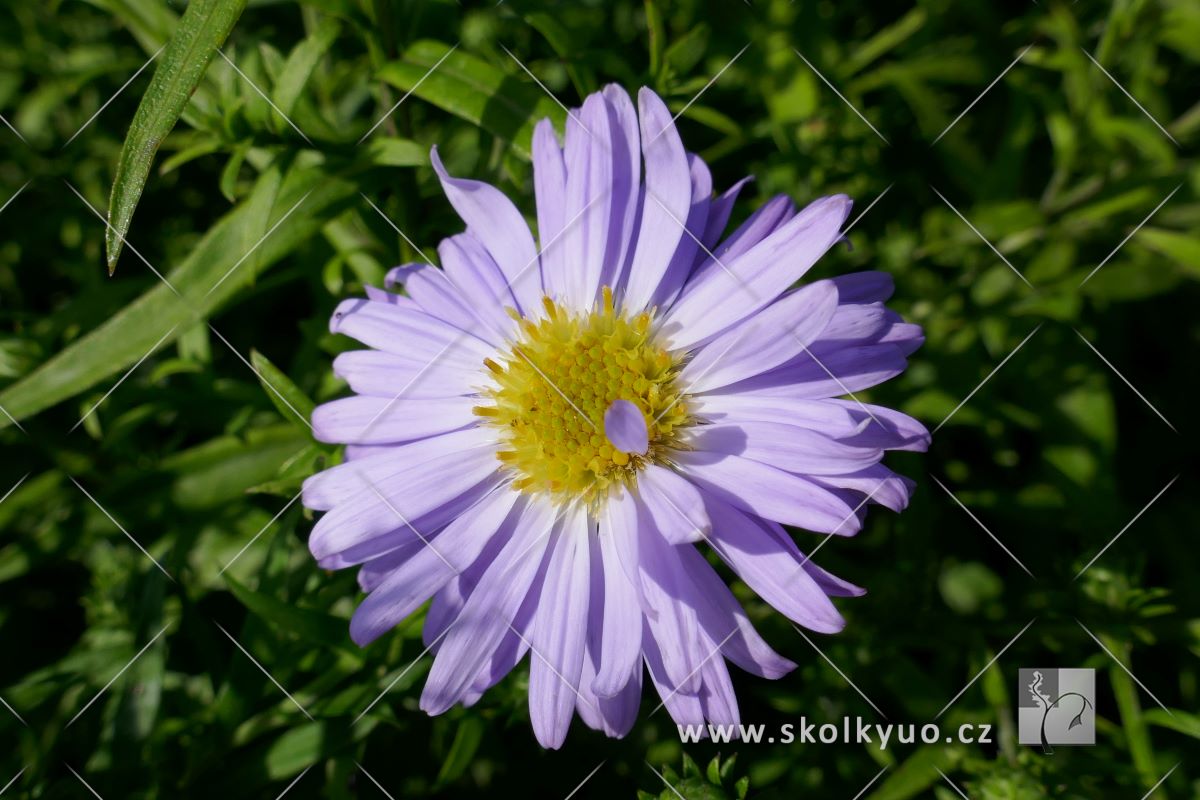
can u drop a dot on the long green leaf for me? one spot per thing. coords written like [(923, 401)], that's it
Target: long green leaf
[(462, 750), (202, 30), (1176, 720), (301, 63), (474, 90), (285, 395), (281, 211)]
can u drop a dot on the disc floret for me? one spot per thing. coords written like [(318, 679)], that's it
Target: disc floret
[(550, 390)]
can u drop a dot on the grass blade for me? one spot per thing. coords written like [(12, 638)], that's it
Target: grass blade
[(255, 234), (201, 32)]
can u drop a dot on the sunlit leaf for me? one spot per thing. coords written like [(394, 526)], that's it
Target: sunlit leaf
[(503, 103), (201, 32), (257, 233)]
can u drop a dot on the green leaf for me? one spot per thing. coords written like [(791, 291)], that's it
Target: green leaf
[(289, 752), (1141, 748), (296, 749), (233, 168), (654, 32), (224, 469), (566, 46), (968, 587), (285, 395), (202, 147), (474, 90), (918, 772), (1182, 248), (883, 42), (694, 789), (201, 32), (686, 51), (282, 210), (1176, 720), (462, 750), (301, 63), (312, 626), (150, 23), (390, 151), (713, 772)]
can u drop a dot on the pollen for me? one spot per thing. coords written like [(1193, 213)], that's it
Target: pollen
[(548, 393)]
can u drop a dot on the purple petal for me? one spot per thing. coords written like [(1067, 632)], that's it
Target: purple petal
[(720, 298), (625, 427), (559, 631), (757, 227), (718, 216), (621, 619), (831, 584), (886, 428), (398, 276), (856, 323), (442, 557), (883, 486), (724, 620), (478, 630), (362, 419), (746, 544), (376, 569), (614, 715), (864, 287), (515, 644), (771, 337), (770, 492), (495, 221), (374, 372), (717, 697), (675, 505), (589, 160), (403, 535), (433, 291), (861, 324), (786, 447), (446, 607), (409, 332), (550, 193), (479, 281), (670, 619), (621, 521), (684, 707), (821, 374), (626, 184), (823, 415), (353, 479), (680, 267), (407, 491), (667, 202)]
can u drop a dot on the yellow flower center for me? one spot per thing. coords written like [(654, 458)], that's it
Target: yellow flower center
[(553, 385)]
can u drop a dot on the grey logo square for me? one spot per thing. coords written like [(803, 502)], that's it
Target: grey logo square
[(1056, 706)]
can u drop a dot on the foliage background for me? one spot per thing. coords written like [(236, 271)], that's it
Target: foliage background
[(190, 454)]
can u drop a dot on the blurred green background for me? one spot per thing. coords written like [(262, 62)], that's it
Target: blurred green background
[(195, 460)]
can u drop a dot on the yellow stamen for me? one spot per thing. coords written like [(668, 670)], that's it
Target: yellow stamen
[(549, 392)]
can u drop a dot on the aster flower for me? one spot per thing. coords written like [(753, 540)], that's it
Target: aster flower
[(544, 440)]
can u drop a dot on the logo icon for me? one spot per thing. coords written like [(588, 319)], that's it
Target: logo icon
[(1056, 706)]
